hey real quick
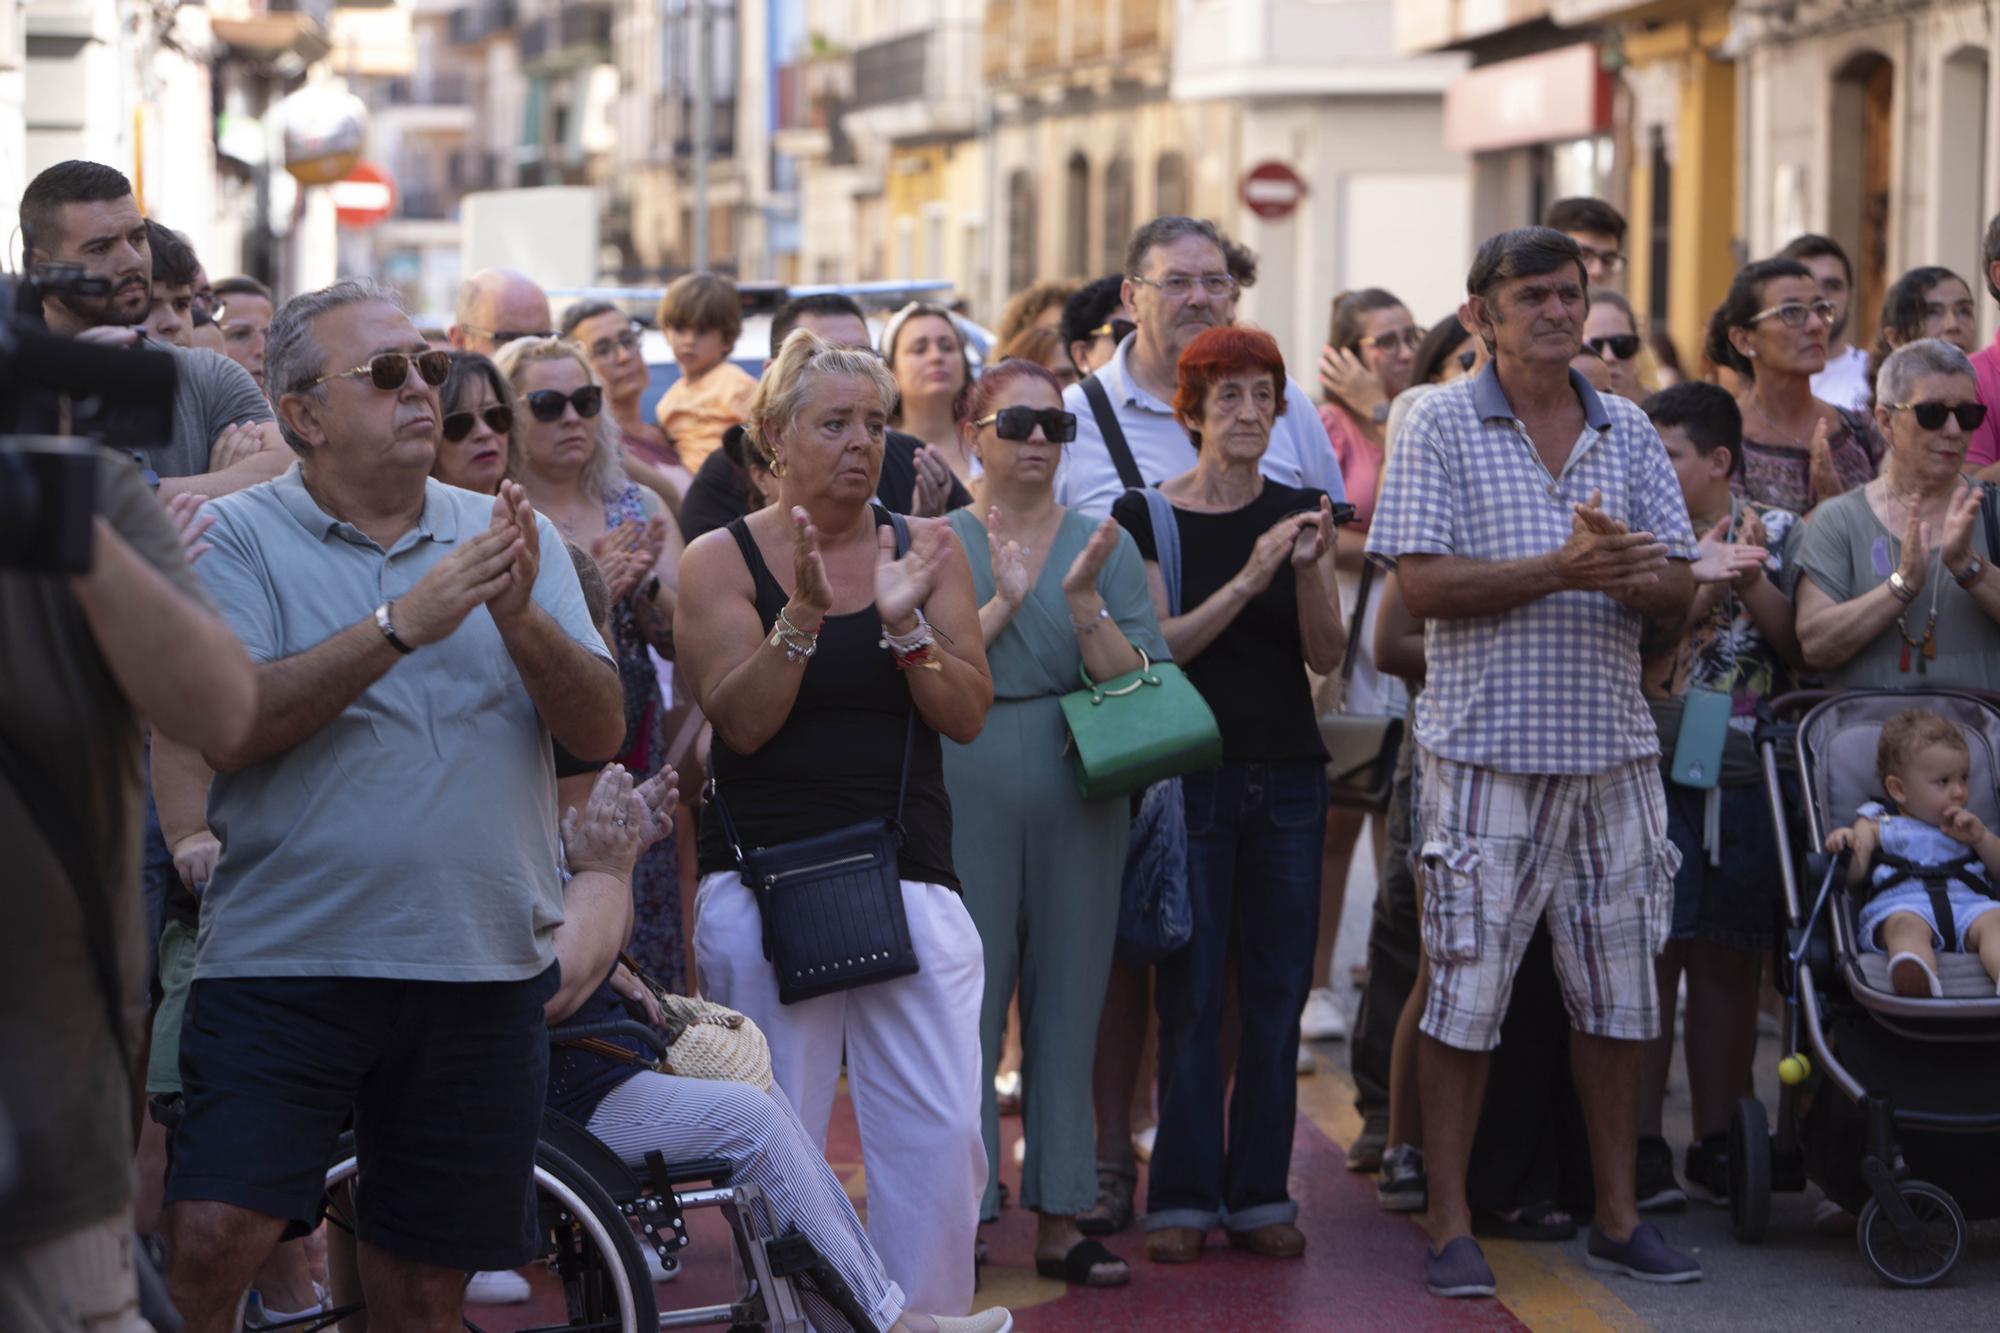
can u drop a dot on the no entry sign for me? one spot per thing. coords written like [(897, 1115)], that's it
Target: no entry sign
[(364, 196), (1272, 190)]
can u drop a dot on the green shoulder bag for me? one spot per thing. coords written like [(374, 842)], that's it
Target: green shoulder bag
[(1146, 725)]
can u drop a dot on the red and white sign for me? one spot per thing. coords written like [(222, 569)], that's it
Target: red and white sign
[(364, 197), (1272, 190)]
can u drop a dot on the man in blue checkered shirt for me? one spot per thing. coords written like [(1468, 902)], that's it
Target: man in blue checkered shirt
[(1536, 527)]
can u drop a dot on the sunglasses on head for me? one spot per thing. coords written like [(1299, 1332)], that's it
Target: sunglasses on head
[(1018, 423), (1931, 415), (499, 419), (1114, 329), (547, 404), (389, 371), (1614, 347)]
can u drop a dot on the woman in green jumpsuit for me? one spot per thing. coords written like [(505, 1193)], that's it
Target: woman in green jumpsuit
[(1041, 866)]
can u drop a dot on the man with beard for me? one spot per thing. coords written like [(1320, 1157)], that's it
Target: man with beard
[(1179, 280), (1844, 382), (224, 436)]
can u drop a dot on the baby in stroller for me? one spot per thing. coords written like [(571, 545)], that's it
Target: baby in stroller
[(1930, 862)]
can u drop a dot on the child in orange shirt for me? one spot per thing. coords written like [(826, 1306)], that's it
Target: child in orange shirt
[(702, 318)]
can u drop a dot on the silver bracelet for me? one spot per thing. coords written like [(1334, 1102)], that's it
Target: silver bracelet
[(1103, 614), (918, 639), (797, 643)]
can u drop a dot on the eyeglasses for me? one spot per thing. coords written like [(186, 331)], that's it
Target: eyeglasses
[(547, 404), (1018, 423), (1792, 314), (1180, 285), (1931, 415), (499, 419), (501, 337), (606, 348), (1115, 329), (1608, 261), (1614, 347), (389, 371), (1411, 337)]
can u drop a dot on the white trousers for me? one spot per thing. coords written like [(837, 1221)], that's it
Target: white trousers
[(912, 1048)]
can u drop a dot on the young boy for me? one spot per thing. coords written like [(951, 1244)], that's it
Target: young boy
[(1736, 640), (702, 318), (170, 317), (1925, 767)]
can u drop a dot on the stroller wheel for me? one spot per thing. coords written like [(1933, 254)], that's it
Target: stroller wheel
[(1942, 1227), (1749, 1171)]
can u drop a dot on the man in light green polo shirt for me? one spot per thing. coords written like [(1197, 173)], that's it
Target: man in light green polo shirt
[(377, 935)]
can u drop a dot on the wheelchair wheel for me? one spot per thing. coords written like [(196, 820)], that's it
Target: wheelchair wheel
[(586, 1242), (1943, 1238), (1749, 1171)]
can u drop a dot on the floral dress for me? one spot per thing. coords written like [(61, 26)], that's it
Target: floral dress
[(1780, 475), (658, 942)]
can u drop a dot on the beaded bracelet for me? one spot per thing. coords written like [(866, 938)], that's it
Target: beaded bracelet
[(798, 644), (1103, 614)]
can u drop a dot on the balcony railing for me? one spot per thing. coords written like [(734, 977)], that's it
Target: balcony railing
[(891, 71), (473, 169), (575, 28), (480, 19), (435, 89)]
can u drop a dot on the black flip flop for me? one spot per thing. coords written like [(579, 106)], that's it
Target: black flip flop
[(1077, 1265), (1537, 1222)]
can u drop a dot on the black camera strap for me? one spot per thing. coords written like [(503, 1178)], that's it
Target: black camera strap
[(1113, 433), (56, 821)]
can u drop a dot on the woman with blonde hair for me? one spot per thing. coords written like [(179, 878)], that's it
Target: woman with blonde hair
[(566, 452)]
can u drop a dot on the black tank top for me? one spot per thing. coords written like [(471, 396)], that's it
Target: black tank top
[(838, 758)]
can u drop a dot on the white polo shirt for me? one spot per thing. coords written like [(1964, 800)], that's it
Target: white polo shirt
[(1300, 453)]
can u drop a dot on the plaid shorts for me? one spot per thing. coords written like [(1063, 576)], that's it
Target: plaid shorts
[(1500, 849)]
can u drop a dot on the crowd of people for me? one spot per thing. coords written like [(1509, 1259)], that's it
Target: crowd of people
[(439, 645)]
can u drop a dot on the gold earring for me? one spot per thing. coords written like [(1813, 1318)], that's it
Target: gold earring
[(777, 468)]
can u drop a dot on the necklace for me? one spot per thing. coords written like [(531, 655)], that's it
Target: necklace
[(1783, 438), (1928, 643)]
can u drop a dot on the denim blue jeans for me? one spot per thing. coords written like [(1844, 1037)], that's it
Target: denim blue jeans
[(1254, 835)]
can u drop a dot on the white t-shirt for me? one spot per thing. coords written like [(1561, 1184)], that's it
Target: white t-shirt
[(1844, 382), (1300, 453)]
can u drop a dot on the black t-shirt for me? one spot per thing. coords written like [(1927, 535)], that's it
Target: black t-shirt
[(720, 493), (1253, 676)]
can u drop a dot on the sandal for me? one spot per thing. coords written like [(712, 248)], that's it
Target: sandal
[(1535, 1222), (1113, 1211), (1081, 1263)]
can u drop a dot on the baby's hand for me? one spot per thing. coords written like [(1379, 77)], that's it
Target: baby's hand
[(1960, 823), (1840, 840)]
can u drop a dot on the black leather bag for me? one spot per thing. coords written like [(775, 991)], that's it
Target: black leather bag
[(833, 903)]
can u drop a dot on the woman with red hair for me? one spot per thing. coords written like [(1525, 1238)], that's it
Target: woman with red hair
[(1039, 866), (1249, 605)]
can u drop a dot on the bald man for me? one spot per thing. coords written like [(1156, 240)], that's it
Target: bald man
[(496, 306)]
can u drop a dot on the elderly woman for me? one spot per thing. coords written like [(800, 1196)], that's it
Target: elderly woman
[(926, 352), (1258, 607), (830, 667), (1896, 587), (476, 433), (612, 340), (565, 453), (1611, 337), (1041, 865), (1771, 331)]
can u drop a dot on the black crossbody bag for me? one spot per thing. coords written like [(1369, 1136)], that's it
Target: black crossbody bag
[(833, 903)]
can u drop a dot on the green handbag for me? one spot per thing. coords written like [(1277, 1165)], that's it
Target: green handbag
[(1134, 731)]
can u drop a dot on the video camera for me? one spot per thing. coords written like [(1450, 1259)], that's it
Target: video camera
[(59, 399)]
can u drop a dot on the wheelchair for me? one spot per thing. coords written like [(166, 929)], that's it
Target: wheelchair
[(594, 1213)]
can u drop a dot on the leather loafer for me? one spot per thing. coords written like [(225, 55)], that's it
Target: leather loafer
[(1274, 1240), (1174, 1245)]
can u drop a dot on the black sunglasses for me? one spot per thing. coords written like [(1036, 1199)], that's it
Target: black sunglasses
[(1614, 347), (547, 404), (389, 371), (499, 420), (1931, 415), (1018, 423)]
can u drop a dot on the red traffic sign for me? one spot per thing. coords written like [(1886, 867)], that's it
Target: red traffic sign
[(1272, 190), (364, 196)]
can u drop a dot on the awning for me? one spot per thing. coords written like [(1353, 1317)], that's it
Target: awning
[(1548, 98)]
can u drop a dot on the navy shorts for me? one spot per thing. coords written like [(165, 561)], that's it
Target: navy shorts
[(444, 1083), (1733, 904)]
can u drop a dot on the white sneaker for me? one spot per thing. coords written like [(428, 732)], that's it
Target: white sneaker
[(655, 1269), (1142, 1142), (500, 1287), (986, 1321), (1307, 1065), (1322, 1019), (1021, 1151), (258, 1315)]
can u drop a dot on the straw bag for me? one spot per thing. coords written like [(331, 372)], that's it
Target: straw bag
[(1361, 751)]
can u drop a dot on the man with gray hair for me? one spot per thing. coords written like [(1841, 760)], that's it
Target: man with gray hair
[(1180, 278), (377, 936), (1984, 452), (1536, 528), (496, 306)]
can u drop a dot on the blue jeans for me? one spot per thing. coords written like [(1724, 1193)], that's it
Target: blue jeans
[(1254, 836)]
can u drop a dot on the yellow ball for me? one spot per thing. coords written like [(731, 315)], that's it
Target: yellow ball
[(1792, 1070)]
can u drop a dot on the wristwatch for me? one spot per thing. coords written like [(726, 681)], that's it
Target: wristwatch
[(1900, 588), (1381, 414), (388, 628), (1973, 569)]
